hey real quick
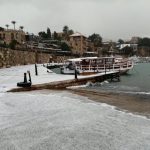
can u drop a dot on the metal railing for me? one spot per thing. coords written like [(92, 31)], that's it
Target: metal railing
[(105, 67)]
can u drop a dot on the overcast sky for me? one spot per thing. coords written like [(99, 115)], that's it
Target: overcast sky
[(112, 19)]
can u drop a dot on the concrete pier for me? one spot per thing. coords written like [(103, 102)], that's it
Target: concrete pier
[(67, 83)]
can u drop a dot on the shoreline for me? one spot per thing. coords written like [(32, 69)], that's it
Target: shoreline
[(135, 104)]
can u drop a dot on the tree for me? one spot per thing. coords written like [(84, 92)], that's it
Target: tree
[(144, 42), (55, 35), (70, 32), (43, 35), (96, 39), (120, 41), (1, 29), (65, 47), (65, 30), (21, 28), (7, 26), (49, 33), (14, 23), (13, 44)]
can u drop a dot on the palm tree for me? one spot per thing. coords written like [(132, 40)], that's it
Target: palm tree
[(65, 32), (65, 29), (21, 28), (7, 26), (70, 32), (13, 22)]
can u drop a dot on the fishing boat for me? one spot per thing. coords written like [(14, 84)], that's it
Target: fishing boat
[(93, 65)]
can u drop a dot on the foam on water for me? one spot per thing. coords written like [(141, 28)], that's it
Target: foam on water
[(88, 84), (140, 93), (136, 82), (108, 106)]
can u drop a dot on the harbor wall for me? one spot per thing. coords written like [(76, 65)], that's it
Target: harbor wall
[(9, 57)]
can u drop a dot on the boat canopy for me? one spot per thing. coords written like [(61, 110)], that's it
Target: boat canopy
[(82, 58)]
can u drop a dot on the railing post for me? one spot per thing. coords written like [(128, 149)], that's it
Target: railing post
[(113, 67), (75, 73), (36, 72)]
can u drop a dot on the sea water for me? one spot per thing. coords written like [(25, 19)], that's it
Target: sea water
[(136, 81)]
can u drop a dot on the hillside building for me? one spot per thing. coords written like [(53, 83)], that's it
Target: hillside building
[(8, 35), (80, 44)]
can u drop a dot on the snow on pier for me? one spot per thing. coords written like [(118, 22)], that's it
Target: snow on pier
[(44, 80)]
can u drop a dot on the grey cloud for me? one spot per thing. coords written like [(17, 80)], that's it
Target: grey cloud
[(110, 18)]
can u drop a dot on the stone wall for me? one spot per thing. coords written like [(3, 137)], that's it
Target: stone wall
[(10, 57), (143, 51)]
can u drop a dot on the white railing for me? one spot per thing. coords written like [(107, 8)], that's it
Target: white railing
[(105, 67)]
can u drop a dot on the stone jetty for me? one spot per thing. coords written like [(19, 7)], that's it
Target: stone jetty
[(72, 82)]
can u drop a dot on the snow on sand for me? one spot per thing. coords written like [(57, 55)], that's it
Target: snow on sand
[(51, 120)]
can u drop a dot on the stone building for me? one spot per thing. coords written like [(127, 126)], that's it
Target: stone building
[(7, 35), (80, 44)]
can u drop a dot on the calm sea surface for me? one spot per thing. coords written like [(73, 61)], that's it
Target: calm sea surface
[(137, 81)]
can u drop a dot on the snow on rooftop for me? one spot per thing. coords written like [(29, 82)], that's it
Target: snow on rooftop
[(77, 34), (82, 58)]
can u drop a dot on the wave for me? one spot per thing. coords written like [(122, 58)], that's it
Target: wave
[(118, 88), (122, 111), (108, 106), (140, 93)]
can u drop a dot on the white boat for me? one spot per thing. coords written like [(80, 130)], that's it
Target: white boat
[(93, 65)]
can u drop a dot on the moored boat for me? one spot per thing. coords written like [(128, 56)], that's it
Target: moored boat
[(93, 65)]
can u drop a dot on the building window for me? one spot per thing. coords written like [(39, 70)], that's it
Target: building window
[(12, 36), (4, 36)]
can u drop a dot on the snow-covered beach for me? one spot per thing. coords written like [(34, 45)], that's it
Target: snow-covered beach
[(52, 120)]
